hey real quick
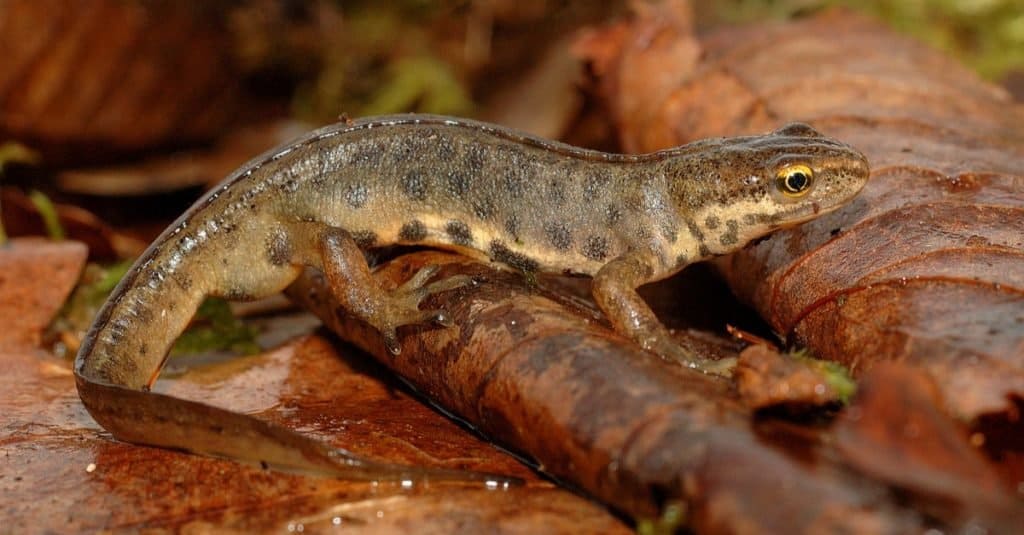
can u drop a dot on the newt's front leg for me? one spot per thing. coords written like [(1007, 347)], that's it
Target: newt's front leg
[(351, 284), (614, 289)]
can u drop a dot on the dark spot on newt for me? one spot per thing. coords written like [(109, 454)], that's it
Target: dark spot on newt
[(368, 154), (501, 253), (364, 238), (483, 208), (595, 248), (704, 251), (731, 235), (413, 231), (643, 233), (445, 148), (407, 148), (290, 182), (594, 184), (235, 294), (183, 280), (682, 260), (457, 184), (512, 226), (476, 155), (356, 195), (279, 249), (115, 335), (459, 233), (518, 171), (695, 231), (670, 232), (613, 214), (414, 184), (558, 235), (711, 222), (515, 181), (556, 191)]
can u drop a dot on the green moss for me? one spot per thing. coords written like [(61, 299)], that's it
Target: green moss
[(424, 84), (385, 61), (48, 212), (215, 328), (673, 517), (95, 285), (837, 376), (988, 35)]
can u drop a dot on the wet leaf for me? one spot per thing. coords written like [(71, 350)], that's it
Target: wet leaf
[(536, 372), (926, 266), (36, 276), (898, 432), (61, 472), (766, 378)]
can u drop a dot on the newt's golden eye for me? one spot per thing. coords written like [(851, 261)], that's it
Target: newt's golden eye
[(794, 180)]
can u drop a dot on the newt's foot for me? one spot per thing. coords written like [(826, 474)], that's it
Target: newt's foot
[(671, 350), (401, 306)]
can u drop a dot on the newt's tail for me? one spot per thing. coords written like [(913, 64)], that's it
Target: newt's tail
[(123, 353)]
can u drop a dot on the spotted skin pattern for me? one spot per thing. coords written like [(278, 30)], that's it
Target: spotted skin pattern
[(527, 203)]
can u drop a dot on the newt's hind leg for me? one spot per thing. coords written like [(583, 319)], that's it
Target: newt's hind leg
[(350, 281)]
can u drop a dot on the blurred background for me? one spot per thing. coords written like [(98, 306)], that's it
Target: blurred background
[(110, 104)]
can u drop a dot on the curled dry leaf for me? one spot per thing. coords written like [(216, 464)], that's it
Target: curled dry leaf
[(927, 265), (62, 473), (898, 433), (107, 76), (541, 377)]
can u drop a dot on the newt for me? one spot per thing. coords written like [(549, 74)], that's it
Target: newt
[(489, 192)]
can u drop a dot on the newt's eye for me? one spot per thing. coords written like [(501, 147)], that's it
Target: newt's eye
[(794, 180)]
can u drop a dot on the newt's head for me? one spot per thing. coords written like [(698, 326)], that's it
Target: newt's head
[(738, 189)]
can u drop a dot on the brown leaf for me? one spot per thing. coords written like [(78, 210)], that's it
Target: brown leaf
[(927, 265), (21, 217), (538, 374), (61, 472), (897, 432), (36, 276), (765, 378), (181, 170), (107, 76)]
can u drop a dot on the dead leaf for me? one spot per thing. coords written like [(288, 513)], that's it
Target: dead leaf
[(181, 170), (107, 76), (36, 276), (61, 472), (927, 265), (897, 432), (766, 378), (542, 377), (22, 218)]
